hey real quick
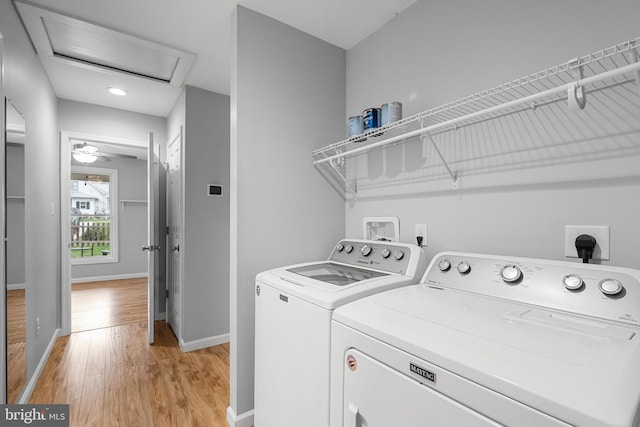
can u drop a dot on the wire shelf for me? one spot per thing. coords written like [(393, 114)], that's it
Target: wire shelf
[(585, 108)]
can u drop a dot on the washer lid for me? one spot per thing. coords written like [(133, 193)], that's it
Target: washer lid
[(318, 291), (335, 274)]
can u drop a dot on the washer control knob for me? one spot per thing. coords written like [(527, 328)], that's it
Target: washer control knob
[(444, 265), (366, 250), (510, 273), (386, 253), (572, 282), (610, 287), (464, 267), (398, 255), (339, 247), (349, 249)]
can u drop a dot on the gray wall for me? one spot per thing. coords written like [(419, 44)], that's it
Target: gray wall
[(440, 51), (15, 215), (26, 84), (111, 122), (206, 232), (204, 117), (287, 93), (132, 180)]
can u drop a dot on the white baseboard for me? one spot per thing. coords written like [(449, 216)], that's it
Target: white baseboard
[(160, 316), (114, 277), (31, 384), (203, 343), (242, 420), (16, 286)]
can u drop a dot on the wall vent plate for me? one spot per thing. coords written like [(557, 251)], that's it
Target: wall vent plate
[(385, 228)]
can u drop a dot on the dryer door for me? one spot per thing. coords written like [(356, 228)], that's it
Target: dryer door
[(376, 395)]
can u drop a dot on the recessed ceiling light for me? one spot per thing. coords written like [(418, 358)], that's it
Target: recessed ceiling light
[(117, 91)]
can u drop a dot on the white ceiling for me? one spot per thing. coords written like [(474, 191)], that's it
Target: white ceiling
[(201, 27)]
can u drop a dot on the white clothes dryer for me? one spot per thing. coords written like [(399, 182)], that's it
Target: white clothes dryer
[(492, 341), (293, 308)]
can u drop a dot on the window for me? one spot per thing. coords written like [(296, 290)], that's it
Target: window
[(93, 227)]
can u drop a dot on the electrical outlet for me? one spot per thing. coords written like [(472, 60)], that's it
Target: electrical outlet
[(600, 232), (37, 326), (421, 230)]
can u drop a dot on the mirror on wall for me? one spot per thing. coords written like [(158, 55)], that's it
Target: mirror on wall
[(15, 253)]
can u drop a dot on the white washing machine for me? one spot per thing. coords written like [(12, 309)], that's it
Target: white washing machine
[(492, 341), (293, 324)]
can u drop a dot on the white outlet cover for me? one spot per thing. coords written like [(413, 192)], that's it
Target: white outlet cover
[(421, 230), (600, 232)]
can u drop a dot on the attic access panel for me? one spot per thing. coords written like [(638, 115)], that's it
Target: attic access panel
[(89, 45)]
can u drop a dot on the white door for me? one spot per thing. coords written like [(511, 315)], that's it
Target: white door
[(152, 247), (174, 282)]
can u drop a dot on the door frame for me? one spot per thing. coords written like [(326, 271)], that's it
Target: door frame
[(65, 216), (3, 267), (179, 139), (153, 235)]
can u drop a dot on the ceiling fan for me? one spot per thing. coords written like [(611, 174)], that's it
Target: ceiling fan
[(87, 153)]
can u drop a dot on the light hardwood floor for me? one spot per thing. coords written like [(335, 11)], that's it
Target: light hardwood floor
[(112, 377), (108, 303), (16, 344)]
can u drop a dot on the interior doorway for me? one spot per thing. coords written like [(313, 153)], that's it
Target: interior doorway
[(15, 252), (104, 213)]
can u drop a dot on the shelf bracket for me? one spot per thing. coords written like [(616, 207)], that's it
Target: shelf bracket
[(575, 90), (452, 175), (337, 164), (636, 58)]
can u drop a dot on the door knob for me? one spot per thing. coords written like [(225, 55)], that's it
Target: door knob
[(150, 248), (175, 248)]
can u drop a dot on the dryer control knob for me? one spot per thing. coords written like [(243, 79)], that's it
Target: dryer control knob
[(464, 267), (398, 255), (511, 273), (349, 249), (610, 287), (339, 247), (444, 265), (386, 253), (572, 282), (366, 250)]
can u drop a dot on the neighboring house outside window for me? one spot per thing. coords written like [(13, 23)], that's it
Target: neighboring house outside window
[(93, 222)]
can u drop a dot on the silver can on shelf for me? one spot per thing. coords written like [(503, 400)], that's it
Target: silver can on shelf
[(391, 112), (354, 126)]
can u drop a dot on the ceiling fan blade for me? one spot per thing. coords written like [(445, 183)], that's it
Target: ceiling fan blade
[(85, 148), (116, 155)]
